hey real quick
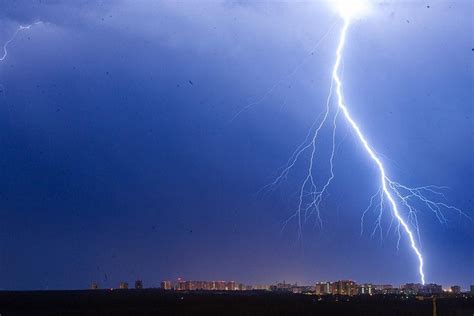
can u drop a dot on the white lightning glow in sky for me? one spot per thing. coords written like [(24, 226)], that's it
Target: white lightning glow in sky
[(400, 197), (349, 9)]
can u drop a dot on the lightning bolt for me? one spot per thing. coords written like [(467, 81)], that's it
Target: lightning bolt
[(18, 30), (385, 183), (399, 197)]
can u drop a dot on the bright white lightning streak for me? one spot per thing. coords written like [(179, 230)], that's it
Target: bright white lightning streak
[(388, 189), (384, 180)]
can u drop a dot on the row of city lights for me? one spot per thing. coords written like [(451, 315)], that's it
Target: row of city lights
[(341, 287)]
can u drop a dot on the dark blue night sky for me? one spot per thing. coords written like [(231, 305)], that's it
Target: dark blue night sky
[(120, 158)]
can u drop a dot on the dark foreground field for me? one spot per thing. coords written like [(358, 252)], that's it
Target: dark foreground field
[(157, 302)]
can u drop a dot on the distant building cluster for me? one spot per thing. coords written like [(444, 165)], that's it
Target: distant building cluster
[(182, 285), (340, 287), (351, 288), (122, 285)]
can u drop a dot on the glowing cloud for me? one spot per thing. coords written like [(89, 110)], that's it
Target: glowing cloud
[(349, 9)]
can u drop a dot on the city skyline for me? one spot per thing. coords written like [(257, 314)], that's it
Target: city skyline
[(138, 141), (339, 287)]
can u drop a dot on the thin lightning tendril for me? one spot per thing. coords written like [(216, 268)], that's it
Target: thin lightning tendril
[(392, 192), (290, 75), (18, 30)]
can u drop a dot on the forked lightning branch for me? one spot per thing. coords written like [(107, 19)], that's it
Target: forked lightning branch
[(401, 199)]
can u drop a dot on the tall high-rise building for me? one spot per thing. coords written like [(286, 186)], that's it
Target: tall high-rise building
[(219, 285), (230, 286), (123, 285), (138, 284), (188, 285), (366, 289), (94, 286), (472, 289), (323, 288), (211, 285), (344, 287), (181, 285), (166, 285)]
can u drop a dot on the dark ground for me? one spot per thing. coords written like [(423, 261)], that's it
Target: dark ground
[(157, 302)]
